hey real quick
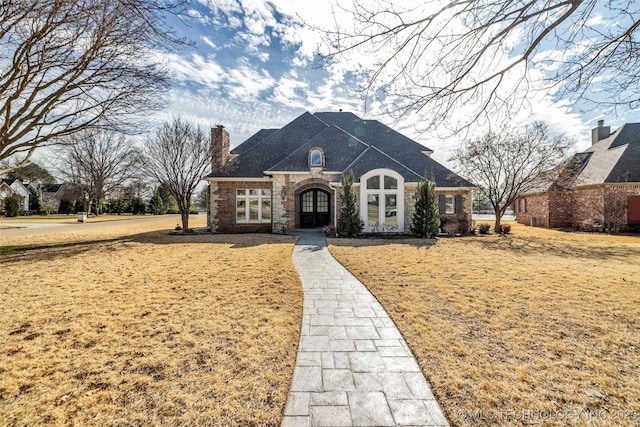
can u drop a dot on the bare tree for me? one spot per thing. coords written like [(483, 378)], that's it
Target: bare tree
[(97, 164), (614, 208), (178, 156), (510, 163), (69, 65), (438, 57)]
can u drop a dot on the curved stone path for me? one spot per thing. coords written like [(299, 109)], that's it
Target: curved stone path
[(353, 367)]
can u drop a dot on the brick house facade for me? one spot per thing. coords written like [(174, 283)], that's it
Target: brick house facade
[(283, 179), (609, 172)]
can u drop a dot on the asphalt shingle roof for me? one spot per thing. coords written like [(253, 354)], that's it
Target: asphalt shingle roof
[(627, 169), (348, 142), (613, 159)]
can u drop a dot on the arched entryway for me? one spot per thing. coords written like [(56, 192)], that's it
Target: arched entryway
[(315, 209)]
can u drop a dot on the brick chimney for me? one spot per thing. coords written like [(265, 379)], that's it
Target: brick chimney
[(600, 133), (219, 148)]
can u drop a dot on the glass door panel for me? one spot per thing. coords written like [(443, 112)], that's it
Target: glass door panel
[(390, 210), (373, 210)]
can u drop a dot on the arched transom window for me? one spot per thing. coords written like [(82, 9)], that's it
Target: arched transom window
[(382, 201)]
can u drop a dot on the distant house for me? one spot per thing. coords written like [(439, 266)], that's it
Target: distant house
[(14, 187), (609, 171), (283, 179), (51, 195)]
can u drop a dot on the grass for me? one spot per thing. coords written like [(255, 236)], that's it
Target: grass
[(60, 219), (14, 249), (131, 326), (536, 327)]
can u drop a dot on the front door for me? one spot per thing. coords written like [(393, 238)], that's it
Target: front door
[(314, 208)]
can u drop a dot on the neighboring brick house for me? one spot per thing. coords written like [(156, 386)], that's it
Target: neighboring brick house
[(607, 173), (283, 179)]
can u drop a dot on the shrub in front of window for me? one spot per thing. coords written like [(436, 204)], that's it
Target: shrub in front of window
[(11, 206), (349, 222), (426, 219)]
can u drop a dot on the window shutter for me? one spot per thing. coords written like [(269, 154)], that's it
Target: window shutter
[(458, 208), (442, 204)]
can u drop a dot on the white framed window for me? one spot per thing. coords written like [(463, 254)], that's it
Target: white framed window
[(382, 201), (253, 206), (316, 157), (523, 205), (449, 204)]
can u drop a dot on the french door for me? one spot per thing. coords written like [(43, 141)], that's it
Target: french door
[(314, 208)]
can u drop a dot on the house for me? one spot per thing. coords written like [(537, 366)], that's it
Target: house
[(51, 195), (283, 179), (18, 189), (591, 184)]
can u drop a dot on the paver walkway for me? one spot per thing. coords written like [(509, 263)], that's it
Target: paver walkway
[(353, 366)]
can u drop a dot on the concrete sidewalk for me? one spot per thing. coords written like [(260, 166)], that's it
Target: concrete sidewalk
[(353, 366)]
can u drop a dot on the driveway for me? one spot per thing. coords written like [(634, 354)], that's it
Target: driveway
[(34, 228)]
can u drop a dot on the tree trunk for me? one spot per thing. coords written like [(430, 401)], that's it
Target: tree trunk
[(183, 207), (185, 220), (498, 214)]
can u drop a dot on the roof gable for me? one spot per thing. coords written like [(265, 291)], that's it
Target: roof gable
[(267, 152), (374, 156), (50, 188), (340, 150)]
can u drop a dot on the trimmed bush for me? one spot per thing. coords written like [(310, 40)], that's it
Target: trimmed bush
[(349, 222), (426, 218), (484, 228), (505, 228)]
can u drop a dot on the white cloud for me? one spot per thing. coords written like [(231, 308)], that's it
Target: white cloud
[(247, 83), (197, 69), (209, 42)]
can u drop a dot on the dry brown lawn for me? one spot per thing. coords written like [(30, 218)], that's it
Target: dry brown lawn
[(128, 325), (539, 327)]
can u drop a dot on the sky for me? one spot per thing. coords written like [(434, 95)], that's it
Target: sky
[(253, 65)]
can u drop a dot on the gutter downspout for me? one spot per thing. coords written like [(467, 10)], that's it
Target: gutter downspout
[(335, 207)]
